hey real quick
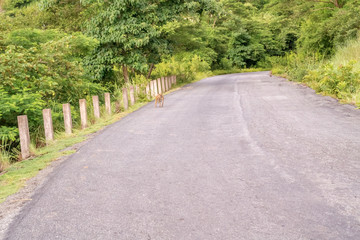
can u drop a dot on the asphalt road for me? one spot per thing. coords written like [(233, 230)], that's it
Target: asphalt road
[(241, 156)]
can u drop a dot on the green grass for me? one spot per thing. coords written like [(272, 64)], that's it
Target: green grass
[(337, 77), (236, 70), (347, 53)]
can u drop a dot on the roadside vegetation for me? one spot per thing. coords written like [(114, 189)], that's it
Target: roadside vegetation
[(59, 51), (327, 53)]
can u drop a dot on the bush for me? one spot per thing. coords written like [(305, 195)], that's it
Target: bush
[(341, 82), (38, 78), (11, 4), (185, 66), (28, 38)]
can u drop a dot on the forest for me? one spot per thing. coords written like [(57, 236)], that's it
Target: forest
[(58, 51)]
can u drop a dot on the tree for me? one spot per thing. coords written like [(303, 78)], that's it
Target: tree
[(130, 33)]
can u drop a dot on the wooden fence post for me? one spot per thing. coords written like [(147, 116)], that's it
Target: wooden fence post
[(159, 85), (125, 98), (175, 79), (24, 136), (48, 125), (67, 118), (107, 103), (132, 95), (83, 113)]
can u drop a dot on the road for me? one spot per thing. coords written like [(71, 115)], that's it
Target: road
[(240, 156)]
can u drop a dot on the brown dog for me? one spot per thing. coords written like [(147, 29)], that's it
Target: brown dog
[(159, 99)]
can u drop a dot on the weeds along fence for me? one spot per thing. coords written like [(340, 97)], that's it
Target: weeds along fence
[(153, 87)]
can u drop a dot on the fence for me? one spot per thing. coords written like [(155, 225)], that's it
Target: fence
[(154, 87)]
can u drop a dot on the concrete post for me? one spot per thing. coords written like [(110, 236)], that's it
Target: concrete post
[(159, 85), (117, 106), (147, 90), (152, 89), (48, 125), (96, 106), (107, 103), (163, 84), (125, 98), (67, 118), (166, 84), (132, 95), (83, 113), (155, 88), (24, 136), (169, 82)]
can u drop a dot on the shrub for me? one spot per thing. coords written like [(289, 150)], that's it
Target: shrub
[(11, 4), (28, 38), (37, 78), (341, 81), (185, 66)]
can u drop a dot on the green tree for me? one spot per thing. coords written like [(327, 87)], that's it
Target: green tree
[(130, 33)]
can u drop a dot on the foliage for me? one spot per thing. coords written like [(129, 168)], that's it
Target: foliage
[(130, 33), (341, 82), (38, 77), (184, 66), (28, 38), (338, 76), (11, 4)]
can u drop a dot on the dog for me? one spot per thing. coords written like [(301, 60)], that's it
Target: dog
[(159, 99)]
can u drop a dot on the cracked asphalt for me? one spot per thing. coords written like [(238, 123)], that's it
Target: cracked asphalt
[(240, 156)]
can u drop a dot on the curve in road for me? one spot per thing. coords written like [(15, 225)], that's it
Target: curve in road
[(241, 156)]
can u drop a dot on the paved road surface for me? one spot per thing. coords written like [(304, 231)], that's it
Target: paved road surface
[(240, 156)]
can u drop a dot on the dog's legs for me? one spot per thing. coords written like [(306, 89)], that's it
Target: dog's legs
[(155, 102), (162, 102)]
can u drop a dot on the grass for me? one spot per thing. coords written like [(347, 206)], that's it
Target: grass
[(4, 160), (236, 70), (337, 77), (347, 53)]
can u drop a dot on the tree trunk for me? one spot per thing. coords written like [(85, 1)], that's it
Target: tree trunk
[(150, 70), (214, 22), (125, 73), (337, 4)]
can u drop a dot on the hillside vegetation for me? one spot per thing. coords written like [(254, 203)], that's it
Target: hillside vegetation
[(58, 51)]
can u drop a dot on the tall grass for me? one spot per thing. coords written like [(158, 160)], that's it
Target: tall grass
[(347, 53), (338, 76), (5, 160)]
